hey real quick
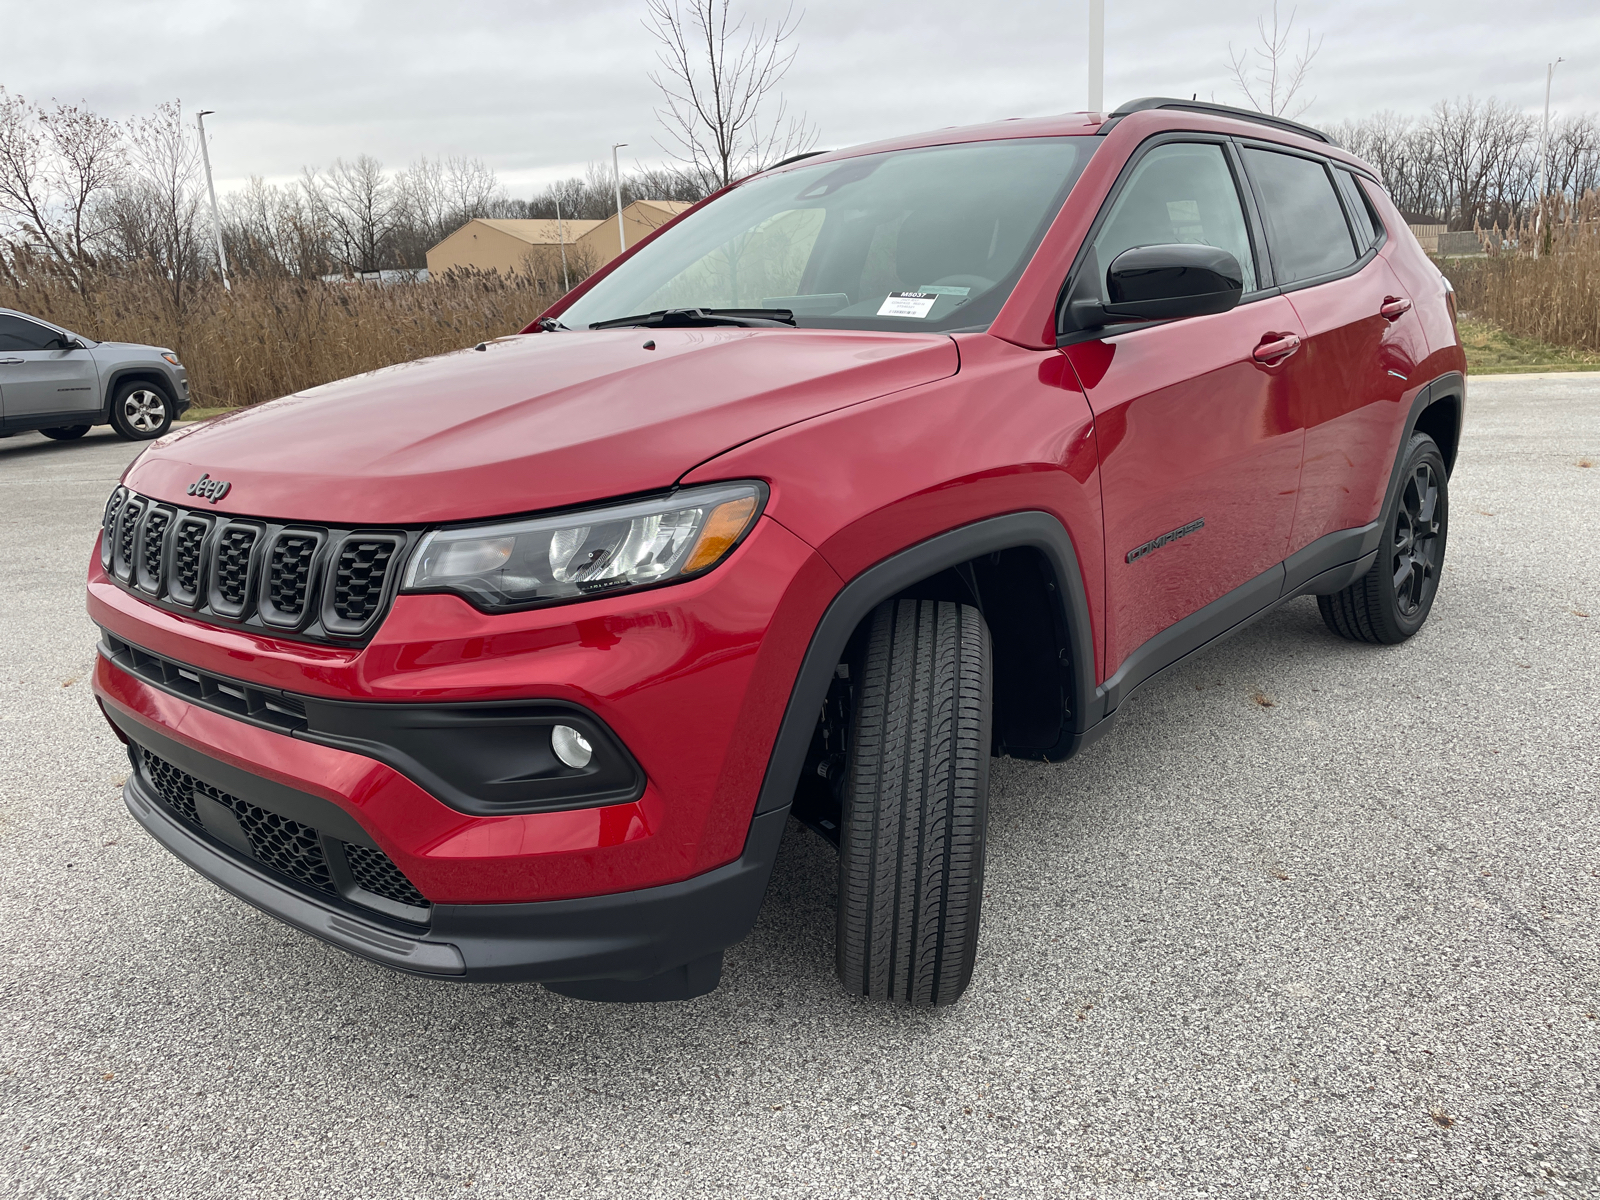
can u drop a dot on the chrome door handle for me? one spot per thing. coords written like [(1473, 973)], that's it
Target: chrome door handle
[(1394, 307), (10, 362), (1280, 346)]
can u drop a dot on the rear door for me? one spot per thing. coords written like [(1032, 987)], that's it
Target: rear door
[(1362, 343), (40, 376), (1200, 451)]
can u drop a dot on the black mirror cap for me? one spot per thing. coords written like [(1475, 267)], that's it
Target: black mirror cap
[(1154, 283)]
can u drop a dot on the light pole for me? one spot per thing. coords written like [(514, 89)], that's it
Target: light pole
[(216, 221), (1097, 55), (1544, 158), (561, 236), (616, 175)]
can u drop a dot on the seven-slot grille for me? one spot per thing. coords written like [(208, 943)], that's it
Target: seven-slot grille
[(287, 847), (310, 581)]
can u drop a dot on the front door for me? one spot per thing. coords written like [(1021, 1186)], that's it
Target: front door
[(41, 376), (1199, 446)]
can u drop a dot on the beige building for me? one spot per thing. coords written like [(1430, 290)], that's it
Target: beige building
[(505, 246), (534, 246)]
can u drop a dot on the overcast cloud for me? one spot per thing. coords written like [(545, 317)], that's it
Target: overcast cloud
[(540, 89)]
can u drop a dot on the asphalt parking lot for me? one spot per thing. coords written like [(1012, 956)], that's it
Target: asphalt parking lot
[(1317, 919)]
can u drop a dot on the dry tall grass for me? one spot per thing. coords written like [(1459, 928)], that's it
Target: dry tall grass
[(270, 337), (1554, 297)]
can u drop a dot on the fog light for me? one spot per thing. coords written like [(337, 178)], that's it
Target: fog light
[(571, 747)]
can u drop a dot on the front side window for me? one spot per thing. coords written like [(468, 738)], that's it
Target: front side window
[(1181, 192), (18, 334), (1305, 222), (927, 239)]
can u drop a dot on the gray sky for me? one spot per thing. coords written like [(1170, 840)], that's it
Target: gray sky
[(539, 89)]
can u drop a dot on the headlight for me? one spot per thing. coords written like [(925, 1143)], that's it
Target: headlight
[(171, 358), (541, 560)]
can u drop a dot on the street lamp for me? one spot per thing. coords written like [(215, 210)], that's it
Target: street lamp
[(1097, 55), (1544, 158), (616, 175), (216, 221)]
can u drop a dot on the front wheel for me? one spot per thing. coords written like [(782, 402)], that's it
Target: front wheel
[(916, 805), (141, 411), (1391, 601)]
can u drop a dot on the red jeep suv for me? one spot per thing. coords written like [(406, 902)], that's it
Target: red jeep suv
[(514, 663)]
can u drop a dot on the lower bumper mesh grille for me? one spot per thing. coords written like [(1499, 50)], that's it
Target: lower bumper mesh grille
[(289, 848)]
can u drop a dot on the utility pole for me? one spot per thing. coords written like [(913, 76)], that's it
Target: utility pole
[(1097, 55), (616, 175), (561, 236), (1544, 159), (216, 221)]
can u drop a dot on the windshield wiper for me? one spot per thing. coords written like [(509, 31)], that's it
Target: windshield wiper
[(550, 324), (688, 318)]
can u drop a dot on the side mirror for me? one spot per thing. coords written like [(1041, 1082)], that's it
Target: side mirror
[(1162, 283), (1157, 283)]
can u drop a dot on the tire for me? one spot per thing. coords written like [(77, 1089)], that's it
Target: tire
[(141, 411), (66, 433), (1390, 602), (916, 805)]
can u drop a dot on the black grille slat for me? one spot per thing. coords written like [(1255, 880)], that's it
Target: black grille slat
[(187, 544), (304, 582), (287, 847), (289, 573), (127, 531), (358, 580), (152, 541), (230, 568), (108, 526), (375, 871)]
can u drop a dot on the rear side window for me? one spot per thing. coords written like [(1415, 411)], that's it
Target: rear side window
[(17, 334), (1179, 192), (1367, 226), (1306, 227)]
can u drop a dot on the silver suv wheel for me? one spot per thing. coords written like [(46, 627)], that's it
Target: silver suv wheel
[(144, 410)]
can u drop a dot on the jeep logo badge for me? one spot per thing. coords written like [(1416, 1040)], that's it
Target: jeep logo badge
[(210, 489)]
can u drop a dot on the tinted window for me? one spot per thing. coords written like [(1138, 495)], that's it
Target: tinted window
[(931, 238), (1366, 221), (1305, 221), (1180, 192), (17, 334)]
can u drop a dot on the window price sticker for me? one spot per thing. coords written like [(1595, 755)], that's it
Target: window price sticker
[(908, 304)]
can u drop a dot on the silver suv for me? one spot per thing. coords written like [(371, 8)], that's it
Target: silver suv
[(62, 383)]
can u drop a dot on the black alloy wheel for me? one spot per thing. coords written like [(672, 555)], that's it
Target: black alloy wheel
[(1391, 601), (1417, 548)]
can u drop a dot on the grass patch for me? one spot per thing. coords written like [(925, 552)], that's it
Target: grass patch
[(205, 414), (1493, 351)]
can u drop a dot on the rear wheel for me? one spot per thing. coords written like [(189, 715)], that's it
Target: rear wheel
[(1390, 602), (140, 411), (916, 805), (65, 433)]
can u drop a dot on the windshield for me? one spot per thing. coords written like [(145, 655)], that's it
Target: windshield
[(926, 239)]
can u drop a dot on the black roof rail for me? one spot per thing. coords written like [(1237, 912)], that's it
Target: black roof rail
[(794, 158), (1216, 110)]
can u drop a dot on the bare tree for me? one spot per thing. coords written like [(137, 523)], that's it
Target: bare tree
[(55, 168), (1269, 78), (721, 111), (362, 209)]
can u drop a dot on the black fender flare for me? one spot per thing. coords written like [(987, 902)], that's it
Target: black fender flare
[(1038, 530), (1449, 388)]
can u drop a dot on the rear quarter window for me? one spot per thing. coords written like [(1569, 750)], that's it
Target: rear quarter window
[(1306, 226)]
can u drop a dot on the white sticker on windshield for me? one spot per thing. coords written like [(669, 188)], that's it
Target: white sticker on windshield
[(907, 304)]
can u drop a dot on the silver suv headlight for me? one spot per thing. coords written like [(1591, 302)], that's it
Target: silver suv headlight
[(579, 555)]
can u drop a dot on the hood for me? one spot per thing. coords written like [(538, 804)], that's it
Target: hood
[(537, 421)]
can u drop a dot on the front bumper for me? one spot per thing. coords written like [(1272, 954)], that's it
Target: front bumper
[(659, 943)]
